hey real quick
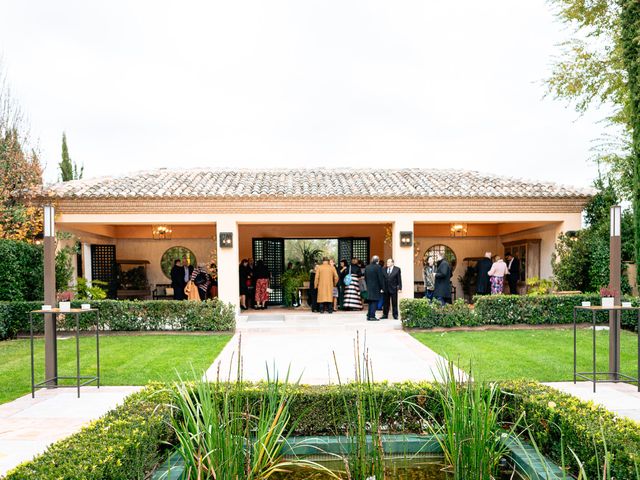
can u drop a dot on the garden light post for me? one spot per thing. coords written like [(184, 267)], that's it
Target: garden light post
[(615, 284), (50, 341)]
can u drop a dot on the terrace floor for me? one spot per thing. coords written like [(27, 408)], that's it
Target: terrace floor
[(623, 399), (28, 425), (306, 342)]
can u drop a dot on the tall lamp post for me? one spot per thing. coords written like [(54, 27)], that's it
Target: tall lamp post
[(50, 340), (615, 284)]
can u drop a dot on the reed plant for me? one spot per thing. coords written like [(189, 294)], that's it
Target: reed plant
[(220, 437), (469, 432), (364, 459)]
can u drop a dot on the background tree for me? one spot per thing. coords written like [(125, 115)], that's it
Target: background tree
[(20, 170), (630, 32), (68, 169)]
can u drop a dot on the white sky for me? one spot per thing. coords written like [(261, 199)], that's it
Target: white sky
[(298, 83)]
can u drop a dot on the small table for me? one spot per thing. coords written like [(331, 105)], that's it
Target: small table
[(80, 380), (593, 375)]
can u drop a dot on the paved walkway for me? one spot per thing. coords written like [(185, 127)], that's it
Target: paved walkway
[(28, 426), (620, 398), (307, 342)]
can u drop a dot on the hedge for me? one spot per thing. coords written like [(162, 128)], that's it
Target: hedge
[(126, 315), (506, 310), (126, 443), (553, 416)]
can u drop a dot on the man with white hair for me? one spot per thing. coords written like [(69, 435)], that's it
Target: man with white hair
[(374, 279)]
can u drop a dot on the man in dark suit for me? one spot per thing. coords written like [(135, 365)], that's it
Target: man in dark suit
[(483, 285), (513, 264), (442, 291), (392, 286), (374, 278), (177, 280)]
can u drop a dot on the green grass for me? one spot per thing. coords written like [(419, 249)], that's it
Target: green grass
[(545, 355), (124, 359)]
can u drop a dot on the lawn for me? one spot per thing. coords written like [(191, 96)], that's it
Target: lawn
[(539, 354), (124, 359)]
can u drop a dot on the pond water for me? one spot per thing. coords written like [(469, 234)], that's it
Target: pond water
[(417, 468)]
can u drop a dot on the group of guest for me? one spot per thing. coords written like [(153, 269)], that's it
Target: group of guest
[(492, 271), (254, 284), (193, 283), (348, 285), (437, 279)]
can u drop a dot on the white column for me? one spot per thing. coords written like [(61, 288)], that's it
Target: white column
[(86, 262), (403, 256), (228, 277)]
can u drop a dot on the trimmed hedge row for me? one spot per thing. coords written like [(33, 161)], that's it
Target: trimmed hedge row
[(125, 444), (506, 310), (126, 315), (554, 418)]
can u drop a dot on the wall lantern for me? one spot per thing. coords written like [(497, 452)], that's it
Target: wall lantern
[(162, 232), (616, 220), (226, 239), (406, 239), (458, 229)]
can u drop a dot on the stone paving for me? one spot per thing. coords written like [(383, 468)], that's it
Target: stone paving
[(28, 425), (622, 399), (307, 342)]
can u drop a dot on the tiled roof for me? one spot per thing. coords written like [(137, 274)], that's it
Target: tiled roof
[(296, 183)]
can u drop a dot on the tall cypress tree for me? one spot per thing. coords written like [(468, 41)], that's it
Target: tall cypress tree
[(68, 169), (630, 26)]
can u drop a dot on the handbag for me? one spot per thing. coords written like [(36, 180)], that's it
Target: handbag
[(347, 279)]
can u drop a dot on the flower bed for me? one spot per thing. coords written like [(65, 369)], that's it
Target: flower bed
[(127, 315), (506, 310)]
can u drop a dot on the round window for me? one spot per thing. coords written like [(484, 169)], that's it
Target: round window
[(449, 254), (173, 254)]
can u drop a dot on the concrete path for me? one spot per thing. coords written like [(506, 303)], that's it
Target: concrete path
[(307, 342), (28, 426), (622, 399)]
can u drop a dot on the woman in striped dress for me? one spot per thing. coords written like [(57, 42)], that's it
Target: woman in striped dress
[(352, 300)]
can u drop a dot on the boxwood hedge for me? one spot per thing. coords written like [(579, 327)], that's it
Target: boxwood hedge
[(127, 315), (128, 442), (506, 310)]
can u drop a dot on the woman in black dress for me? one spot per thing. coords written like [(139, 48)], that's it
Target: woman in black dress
[(245, 280)]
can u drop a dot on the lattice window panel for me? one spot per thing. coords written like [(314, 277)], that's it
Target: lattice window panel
[(354, 247), (103, 266), (271, 251)]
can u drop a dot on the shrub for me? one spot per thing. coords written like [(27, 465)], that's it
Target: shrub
[(506, 310), (555, 418), (424, 313), (126, 443), (126, 315)]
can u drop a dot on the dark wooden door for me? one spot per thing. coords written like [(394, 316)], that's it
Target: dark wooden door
[(354, 247), (103, 267)]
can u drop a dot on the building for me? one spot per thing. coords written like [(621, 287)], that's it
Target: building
[(226, 215)]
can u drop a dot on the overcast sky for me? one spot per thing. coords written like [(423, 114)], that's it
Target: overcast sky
[(297, 83)]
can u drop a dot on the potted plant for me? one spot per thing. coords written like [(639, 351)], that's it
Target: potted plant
[(607, 295)]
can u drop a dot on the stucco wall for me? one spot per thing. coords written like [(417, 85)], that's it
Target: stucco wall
[(462, 247), (547, 235), (152, 250)]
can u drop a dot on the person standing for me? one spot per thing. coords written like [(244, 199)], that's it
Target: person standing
[(392, 286), (324, 282), (343, 269), (177, 280), (262, 275), (442, 289), (429, 276), (513, 265), (483, 285), (374, 279), (351, 280), (244, 273), (496, 274), (201, 279)]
